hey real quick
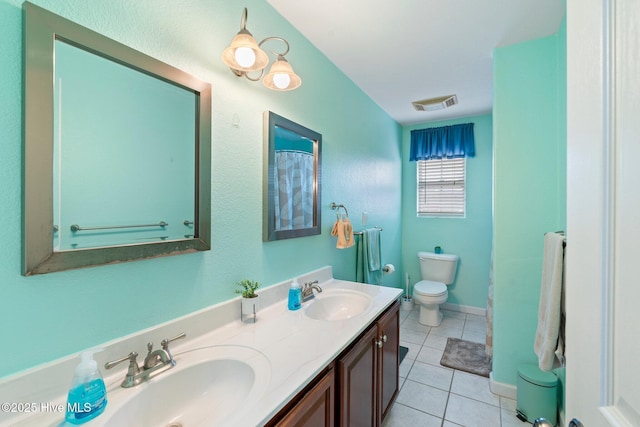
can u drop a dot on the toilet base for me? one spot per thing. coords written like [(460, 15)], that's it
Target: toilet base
[(430, 315)]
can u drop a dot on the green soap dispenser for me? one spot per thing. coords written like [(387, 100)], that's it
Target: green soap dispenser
[(87, 396)]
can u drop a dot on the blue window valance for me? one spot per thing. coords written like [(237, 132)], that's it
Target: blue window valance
[(443, 142)]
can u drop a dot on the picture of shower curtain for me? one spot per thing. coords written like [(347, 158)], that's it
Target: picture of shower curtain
[(293, 183)]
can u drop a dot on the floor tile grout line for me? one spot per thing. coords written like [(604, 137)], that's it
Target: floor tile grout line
[(446, 406), (449, 391)]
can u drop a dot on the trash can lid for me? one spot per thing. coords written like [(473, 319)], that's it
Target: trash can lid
[(534, 375)]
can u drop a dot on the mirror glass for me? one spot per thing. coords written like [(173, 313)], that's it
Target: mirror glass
[(117, 151), (131, 126), (292, 179)]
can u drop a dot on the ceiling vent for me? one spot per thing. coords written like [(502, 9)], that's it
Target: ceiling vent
[(434, 104)]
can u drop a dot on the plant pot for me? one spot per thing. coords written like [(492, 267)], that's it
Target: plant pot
[(250, 306)]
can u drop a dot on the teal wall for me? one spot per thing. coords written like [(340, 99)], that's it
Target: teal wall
[(49, 316), (529, 188), (470, 237)]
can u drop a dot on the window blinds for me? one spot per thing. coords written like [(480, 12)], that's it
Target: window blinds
[(441, 187)]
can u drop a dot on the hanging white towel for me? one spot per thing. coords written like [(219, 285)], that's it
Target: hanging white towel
[(549, 310)]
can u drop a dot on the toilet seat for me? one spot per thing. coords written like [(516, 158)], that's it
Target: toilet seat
[(430, 288)]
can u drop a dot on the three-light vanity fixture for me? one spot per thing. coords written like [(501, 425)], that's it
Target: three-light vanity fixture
[(244, 56)]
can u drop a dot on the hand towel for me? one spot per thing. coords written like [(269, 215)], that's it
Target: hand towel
[(348, 232), (549, 310), (373, 248), (367, 269), (343, 229)]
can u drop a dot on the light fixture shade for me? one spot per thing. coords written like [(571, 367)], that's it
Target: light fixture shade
[(281, 76), (244, 39)]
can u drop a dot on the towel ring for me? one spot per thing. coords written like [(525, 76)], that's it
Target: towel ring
[(337, 209)]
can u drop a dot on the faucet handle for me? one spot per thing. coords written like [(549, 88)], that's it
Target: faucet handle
[(165, 346), (165, 342), (131, 357), (130, 379)]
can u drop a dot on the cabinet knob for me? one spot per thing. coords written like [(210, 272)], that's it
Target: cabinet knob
[(380, 343)]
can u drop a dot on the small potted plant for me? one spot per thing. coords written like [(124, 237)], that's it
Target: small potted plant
[(250, 299)]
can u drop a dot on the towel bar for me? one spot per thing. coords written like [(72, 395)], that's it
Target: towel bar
[(76, 227), (360, 233)]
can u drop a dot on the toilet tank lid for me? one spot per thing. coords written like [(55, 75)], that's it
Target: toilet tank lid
[(444, 257)]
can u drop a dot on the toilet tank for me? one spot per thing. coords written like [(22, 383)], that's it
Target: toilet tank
[(438, 267)]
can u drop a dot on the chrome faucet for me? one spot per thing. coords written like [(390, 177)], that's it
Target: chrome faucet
[(155, 362), (307, 290), (162, 355), (155, 358)]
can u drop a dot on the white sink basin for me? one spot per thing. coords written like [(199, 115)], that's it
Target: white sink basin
[(338, 304), (208, 386)]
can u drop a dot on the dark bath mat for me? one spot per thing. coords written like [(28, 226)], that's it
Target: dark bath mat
[(466, 356), (403, 353)]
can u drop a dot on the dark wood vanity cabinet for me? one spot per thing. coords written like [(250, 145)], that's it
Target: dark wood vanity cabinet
[(388, 364), (357, 372), (358, 388), (315, 407), (368, 373)]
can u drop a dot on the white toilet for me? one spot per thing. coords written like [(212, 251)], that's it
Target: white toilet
[(438, 271)]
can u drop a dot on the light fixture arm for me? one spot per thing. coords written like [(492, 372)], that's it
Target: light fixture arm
[(248, 77), (278, 55), (243, 19), (243, 28), (276, 38)]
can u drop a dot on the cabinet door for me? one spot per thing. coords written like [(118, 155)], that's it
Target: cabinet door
[(357, 376), (389, 337), (316, 408)]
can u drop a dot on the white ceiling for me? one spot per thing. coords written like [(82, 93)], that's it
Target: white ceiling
[(407, 50)]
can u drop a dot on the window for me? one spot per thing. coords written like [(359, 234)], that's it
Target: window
[(441, 189)]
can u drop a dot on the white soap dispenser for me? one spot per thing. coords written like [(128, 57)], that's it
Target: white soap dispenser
[(87, 396), (295, 295)]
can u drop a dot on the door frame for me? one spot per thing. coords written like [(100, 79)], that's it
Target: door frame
[(595, 70)]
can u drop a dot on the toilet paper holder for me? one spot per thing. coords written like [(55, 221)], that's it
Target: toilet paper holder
[(388, 268)]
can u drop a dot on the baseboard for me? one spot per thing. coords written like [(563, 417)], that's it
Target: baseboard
[(502, 389), (464, 309)]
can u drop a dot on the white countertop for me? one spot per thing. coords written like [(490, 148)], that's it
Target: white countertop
[(296, 346), (299, 347)]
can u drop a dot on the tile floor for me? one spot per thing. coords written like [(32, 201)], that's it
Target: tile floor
[(432, 395)]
